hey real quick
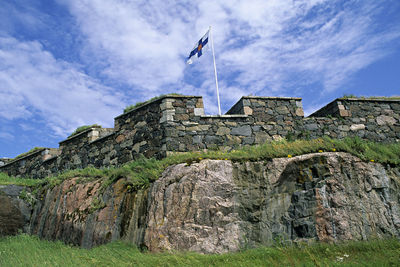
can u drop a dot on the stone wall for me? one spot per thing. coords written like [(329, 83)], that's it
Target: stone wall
[(4, 161), (178, 124), (30, 164)]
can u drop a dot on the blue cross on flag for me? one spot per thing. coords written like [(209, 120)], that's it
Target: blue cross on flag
[(197, 49)]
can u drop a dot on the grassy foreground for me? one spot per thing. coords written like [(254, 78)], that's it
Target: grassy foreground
[(25, 250)]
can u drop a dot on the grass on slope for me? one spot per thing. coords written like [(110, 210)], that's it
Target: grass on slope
[(7, 180), (142, 171), (25, 250)]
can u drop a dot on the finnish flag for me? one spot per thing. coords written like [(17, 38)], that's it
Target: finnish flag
[(198, 48)]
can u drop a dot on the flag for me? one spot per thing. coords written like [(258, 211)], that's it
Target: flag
[(197, 50)]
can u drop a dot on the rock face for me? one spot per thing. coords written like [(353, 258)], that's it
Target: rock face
[(217, 206), (85, 214), (14, 212)]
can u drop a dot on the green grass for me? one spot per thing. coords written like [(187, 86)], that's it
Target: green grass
[(141, 172), (83, 128), (25, 250), (139, 104), (8, 180), (372, 97)]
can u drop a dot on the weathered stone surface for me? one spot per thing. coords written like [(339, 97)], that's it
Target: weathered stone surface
[(357, 127), (14, 212), (223, 131), (300, 112), (311, 127), (242, 130), (80, 214), (219, 206), (383, 120), (248, 110)]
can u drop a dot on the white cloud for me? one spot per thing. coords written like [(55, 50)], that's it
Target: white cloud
[(33, 83), (262, 47)]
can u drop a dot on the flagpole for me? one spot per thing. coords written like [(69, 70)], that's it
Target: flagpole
[(215, 72)]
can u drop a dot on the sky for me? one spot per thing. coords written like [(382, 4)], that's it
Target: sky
[(68, 63)]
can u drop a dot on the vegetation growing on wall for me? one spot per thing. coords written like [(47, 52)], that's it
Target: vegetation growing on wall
[(372, 97), (84, 128), (139, 104), (141, 172), (29, 152)]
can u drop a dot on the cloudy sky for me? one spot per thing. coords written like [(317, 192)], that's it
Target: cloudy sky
[(67, 63)]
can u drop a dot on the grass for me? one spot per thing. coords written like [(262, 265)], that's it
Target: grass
[(372, 97), (141, 172), (8, 180), (25, 250), (83, 128), (139, 104)]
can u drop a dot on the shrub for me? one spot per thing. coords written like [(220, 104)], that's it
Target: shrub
[(139, 104), (83, 128)]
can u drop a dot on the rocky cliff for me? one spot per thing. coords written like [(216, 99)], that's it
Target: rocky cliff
[(217, 206)]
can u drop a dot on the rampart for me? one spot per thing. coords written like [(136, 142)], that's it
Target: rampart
[(177, 124)]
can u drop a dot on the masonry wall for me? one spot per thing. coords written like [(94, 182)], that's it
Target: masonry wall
[(30, 164), (178, 124)]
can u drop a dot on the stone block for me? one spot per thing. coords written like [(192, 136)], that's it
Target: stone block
[(193, 129), (246, 102), (282, 110), (223, 131), (140, 124), (300, 112), (385, 120), (311, 127), (181, 117), (120, 138), (199, 103), (189, 123), (248, 110), (198, 111), (261, 137), (204, 127), (231, 123), (233, 140), (344, 113), (344, 128), (242, 130), (357, 127), (248, 140), (166, 117), (197, 139), (211, 139)]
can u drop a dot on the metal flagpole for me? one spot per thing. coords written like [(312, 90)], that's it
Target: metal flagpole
[(215, 71)]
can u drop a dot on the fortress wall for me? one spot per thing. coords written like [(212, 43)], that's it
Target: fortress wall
[(360, 108), (100, 152), (372, 119), (252, 120), (74, 149), (28, 165), (47, 168), (178, 124)]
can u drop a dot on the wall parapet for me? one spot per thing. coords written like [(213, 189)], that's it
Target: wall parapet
[(176, 123)]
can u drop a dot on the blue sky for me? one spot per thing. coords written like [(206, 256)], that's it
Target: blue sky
[(68, 63)]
